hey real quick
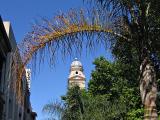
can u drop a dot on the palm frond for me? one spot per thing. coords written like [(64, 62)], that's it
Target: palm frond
[(54, 109), (64, 33)]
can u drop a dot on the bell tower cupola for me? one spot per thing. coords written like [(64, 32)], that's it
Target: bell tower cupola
[(76, 76)]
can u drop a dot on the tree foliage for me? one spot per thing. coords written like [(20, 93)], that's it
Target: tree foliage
[(140, 23), (117, 81), (110, 95)]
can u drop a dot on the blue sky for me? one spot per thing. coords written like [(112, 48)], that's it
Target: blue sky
[(48, 84)]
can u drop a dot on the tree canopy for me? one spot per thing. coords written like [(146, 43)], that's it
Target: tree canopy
[(110, 95)]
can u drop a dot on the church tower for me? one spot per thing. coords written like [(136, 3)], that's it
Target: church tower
[(76, 76)]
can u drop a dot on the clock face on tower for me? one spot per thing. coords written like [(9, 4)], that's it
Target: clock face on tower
[(76, 76)]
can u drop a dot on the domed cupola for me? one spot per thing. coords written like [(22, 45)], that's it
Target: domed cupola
[(76, 65)]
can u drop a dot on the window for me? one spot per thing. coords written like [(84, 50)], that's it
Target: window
[(76, 72), (1, 103), (28, 110), (1, 68), (20, 115), (10, 107)]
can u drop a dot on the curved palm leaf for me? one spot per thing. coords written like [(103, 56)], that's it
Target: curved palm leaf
[(54, 109), (64, 30), (65, 33)]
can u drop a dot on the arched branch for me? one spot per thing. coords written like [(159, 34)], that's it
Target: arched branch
[(64, 33), (65, 29)]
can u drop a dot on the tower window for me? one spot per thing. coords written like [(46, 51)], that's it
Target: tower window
[(76, 72)]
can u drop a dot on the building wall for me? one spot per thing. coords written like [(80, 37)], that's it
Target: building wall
[(5, 48), (11, 108), (74, 82)]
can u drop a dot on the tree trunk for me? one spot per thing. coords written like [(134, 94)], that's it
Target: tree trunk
[(148, 89)]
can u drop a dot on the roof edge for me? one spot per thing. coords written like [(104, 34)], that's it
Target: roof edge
[(3, 30)]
